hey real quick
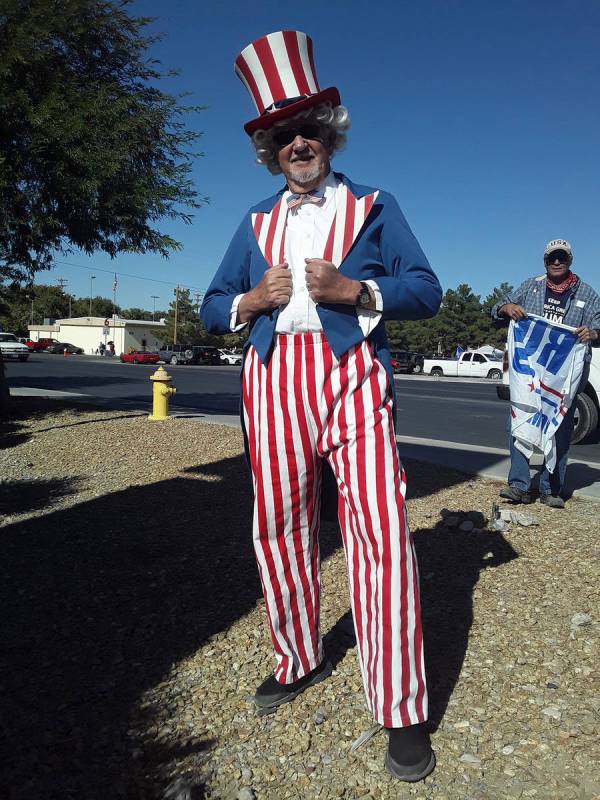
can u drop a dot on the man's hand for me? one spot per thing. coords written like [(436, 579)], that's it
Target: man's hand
[(274, 289), (586, 334), (512, 311), (326, 284)]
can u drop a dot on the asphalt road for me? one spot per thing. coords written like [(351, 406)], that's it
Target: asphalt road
[(463, 413)]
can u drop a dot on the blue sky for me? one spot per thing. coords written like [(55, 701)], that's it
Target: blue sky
[(482, 118)]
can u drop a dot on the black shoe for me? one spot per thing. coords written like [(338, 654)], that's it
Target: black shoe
[(409, 755), (554, 501), (515, 495), (271, 694)]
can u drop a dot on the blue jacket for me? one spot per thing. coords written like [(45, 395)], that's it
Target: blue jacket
[(385, 251)]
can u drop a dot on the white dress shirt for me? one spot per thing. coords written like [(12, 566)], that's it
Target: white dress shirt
[(305, 237)]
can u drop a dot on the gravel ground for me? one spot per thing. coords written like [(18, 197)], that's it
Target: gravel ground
[(136, 636)]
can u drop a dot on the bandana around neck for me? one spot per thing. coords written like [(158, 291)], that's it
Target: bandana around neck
[(559, 288)]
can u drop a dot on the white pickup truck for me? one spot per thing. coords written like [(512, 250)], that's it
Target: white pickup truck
[(470, 365), (587, 413), (11, 347)]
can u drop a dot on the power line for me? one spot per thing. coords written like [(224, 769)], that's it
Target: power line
[(129, 275)]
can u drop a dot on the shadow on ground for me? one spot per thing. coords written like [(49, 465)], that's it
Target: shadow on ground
[(102, 599), (19, 497), (450, 563)]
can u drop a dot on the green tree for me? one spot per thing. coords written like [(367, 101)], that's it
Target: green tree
[(92, 152), (188, 322), (420, 336), (140, 313), (101, 307), (34, 303), (190, 329), (494, 334), (459, 318), (462, 320)]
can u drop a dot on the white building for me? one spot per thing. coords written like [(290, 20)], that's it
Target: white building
[(89, 332)]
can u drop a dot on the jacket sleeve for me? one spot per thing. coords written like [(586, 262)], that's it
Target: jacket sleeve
[(595, 322), (518, 296), (410, 289), (231, 279)]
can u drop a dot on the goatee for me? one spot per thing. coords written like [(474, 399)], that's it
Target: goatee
[(303, 177)]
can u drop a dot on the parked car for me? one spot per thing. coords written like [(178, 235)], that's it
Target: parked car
[(41, 344), (189, 354), (60, 347), (207, 355), (470, 364), (407, 361), (233, 357), (176, 354), (11, 347), (587, 413), (140, 357)]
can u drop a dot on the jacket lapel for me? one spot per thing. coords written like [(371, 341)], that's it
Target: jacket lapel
[(269, 229), (350, 217)]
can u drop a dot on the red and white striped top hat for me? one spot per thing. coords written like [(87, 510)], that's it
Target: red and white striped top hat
[(279, 72)]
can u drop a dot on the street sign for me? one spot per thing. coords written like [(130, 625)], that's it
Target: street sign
[(105, 331)]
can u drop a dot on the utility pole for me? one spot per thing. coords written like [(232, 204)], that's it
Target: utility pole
[(62, 282), (92, 279), (154, 299), (115, 284), (176, 310)]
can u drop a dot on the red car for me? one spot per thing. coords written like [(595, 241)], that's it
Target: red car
[(139, 357), (40, 344)]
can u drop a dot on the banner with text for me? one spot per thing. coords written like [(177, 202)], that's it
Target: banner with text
[(546, 362)]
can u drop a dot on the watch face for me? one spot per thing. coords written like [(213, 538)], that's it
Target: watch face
[(364, 297)]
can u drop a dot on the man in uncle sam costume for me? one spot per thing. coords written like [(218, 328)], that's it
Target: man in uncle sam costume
[(550, 364), (314, 271)]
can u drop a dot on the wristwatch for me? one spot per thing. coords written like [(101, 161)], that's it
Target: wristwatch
[(364, 296)]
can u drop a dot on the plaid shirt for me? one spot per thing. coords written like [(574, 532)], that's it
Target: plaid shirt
[(582, 307)]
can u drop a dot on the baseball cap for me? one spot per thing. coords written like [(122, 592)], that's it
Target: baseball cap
[(558, 244)]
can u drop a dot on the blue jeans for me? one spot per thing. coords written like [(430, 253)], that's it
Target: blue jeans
[(550, 482)]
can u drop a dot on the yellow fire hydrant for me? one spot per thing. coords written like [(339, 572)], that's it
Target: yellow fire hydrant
[(161, 391)]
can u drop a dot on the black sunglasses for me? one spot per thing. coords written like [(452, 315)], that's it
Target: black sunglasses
[(557, 254), (287, 135)]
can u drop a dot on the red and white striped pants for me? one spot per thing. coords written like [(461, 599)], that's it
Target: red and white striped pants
[(303, 406)]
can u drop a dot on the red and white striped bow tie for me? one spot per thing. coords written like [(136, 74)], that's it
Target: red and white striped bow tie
[(294, 201)]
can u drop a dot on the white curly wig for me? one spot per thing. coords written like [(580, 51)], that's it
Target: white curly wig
[(337, 120)]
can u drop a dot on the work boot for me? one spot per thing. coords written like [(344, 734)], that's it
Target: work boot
[(271, 694), (409, 755), (515, 495), (552, 500)]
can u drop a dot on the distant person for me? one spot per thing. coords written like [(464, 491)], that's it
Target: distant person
[(101, 348), (560, 296), (314, 270)]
